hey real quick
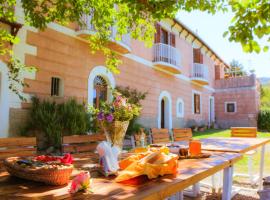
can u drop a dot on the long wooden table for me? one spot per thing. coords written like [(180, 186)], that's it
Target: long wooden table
[(236, 145), (190, 172)]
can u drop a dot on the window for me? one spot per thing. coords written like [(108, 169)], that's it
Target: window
[(100, 90), (197, 103), (230, 107), (180, 108), (197, 56), (56, 87)]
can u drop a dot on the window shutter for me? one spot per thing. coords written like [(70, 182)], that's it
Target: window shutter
[(201, 58), (157, 34), (197, 56), (172, 38)]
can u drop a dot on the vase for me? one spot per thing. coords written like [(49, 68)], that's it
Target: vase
[(115, 132)]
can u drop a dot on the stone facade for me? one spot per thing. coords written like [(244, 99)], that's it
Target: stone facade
[(61, 52), (245, 93)]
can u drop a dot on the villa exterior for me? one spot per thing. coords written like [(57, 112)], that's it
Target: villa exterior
[(183, 76)]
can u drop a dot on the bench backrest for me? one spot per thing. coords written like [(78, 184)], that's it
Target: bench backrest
[(160, 135), (17, 146), (180, 134), (82, 143), (244, 132), (26, 146)]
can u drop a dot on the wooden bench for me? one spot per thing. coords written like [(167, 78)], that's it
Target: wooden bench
[(244, 132), (248, 132), (26, 146), (160, 135), (181, 134)]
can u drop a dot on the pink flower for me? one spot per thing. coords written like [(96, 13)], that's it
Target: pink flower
[(80, 182)]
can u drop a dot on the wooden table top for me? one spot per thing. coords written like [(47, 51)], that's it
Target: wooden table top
[(190, 172), (232, 144)]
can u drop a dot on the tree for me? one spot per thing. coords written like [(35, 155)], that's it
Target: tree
[(265, 97), (237, 69), (136, 17)]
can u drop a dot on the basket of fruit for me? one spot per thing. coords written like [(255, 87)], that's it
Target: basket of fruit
[(51, 170)]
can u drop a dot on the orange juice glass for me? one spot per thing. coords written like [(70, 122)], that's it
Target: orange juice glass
[(195, 147)]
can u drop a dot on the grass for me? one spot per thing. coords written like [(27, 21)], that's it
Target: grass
[(242, 165)]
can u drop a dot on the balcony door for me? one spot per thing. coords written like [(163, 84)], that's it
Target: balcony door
[(163, 36), (211, 110)]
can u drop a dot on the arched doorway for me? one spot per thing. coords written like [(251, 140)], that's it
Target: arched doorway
[(165, 110), (162, 120), (99, 83), (100, 92)]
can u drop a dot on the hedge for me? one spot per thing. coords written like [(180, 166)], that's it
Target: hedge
[(264, 120)]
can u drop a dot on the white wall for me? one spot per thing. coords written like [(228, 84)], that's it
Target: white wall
[(4, 100)]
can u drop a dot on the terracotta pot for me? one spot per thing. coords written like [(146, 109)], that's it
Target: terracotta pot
[(115, 132)]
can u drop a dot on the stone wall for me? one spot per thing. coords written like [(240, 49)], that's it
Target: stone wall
[(17, 120), (244, 92)]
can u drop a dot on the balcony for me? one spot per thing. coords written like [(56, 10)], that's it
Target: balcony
[(167, 58), (121, 46), (200, 74)]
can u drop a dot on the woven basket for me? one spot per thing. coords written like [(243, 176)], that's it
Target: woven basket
[(50, 176)]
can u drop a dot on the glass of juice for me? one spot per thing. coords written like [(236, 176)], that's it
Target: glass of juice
[(195, 147)]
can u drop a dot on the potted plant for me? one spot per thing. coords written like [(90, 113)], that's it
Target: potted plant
[(113, 118)]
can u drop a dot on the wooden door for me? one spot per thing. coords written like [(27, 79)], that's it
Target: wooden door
[(162, 120)]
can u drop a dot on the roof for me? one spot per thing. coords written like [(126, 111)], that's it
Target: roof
[(195, 35)]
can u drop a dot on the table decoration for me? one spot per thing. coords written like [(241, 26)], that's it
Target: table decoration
[(108, 156), (154, 163), (113, 117), (50, 170), (82, 181)]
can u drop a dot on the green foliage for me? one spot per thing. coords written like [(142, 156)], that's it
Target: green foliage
[(74, 118), (250, 23), (45, 117), (265, 97), (237, 69), (136, 17), (55, 120), (264, 120), (134, 96)]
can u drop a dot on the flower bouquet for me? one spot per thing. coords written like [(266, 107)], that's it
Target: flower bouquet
[(113, 118)]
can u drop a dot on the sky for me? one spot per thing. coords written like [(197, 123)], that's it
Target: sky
[(211, 28)]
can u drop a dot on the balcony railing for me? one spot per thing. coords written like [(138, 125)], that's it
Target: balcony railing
[(167, 58), (87, 28), (200, 73)]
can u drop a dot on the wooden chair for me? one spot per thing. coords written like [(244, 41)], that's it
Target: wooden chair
[(180, 134), (248, 132), (160, 135)]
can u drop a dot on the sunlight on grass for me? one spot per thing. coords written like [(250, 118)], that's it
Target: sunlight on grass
[(242, 165)]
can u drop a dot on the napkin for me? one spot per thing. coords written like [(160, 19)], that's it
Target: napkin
[(152, 164)]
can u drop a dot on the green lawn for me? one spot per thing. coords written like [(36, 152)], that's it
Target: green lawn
[(241, 166)]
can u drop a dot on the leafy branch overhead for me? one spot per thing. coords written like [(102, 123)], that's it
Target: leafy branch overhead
[(136, 17)]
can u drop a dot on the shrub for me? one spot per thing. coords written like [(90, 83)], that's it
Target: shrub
[(74, 118), (56, 119), (264, 120)]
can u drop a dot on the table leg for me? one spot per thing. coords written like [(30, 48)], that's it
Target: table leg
[(261, 167), (227, 183), (177, 196)]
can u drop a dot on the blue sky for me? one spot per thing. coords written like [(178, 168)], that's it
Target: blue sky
[(211, 29)]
